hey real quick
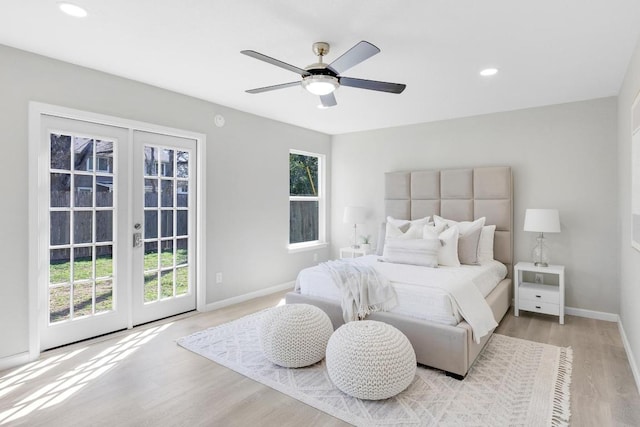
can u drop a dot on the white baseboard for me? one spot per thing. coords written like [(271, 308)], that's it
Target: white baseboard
[(14, 360), (632, 360), (598, 315), (241, 298)]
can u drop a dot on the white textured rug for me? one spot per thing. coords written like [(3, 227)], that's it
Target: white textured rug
[(513, 382)]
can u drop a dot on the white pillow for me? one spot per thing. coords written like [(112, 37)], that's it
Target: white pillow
[(405, 229), (448, 253), (469, 237), (485, 246), (422, 252)]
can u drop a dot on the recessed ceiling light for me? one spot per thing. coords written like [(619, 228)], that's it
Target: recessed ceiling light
[(489, 72), (72, 10)]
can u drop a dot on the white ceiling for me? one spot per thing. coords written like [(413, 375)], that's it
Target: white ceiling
[(548, 51)]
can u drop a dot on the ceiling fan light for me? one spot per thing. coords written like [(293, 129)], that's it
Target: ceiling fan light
[(320, 84), (72, 10)]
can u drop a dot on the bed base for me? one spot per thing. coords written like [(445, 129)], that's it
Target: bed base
[(444, 347)]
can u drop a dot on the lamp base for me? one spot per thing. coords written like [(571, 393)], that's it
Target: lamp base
[(541, 264)]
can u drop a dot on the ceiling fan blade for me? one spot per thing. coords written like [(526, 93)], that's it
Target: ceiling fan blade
[(277, 63), (355, 55), (274, 87), (372, 85), (328, 100)]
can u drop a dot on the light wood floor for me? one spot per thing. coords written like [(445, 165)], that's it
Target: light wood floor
[(141, 377)]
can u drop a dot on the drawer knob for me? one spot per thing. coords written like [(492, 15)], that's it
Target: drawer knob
[(538, 296), (538, 307)]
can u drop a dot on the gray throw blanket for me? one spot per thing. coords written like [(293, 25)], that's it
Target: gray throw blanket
[(363, 289)]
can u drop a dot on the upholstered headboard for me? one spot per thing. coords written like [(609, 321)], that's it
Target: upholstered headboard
[(458, 194)]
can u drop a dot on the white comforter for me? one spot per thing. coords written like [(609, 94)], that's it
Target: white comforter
[(443, 295)]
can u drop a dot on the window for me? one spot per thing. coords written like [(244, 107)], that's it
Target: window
[(306, 199)]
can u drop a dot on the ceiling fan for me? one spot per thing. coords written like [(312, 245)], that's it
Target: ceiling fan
[(323, 79)]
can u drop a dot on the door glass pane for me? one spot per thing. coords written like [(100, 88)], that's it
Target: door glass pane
[(167, 193), (181, 223), (151, 286), (83, 190), (104, 226), (82, 227), (104, 156), (82, 299), (104, 261), (60, 151), (182, 280), (166, 281), (60, 226), (83, 153), (182, 163), (104, 191), (166, 223), (60, 190), (182, 194), (104, 296), (166, 259), (150, 224), (150, 256), (59, 266), (182, 251), (150, 161), (150, 193), (83, 263), (59, 303), (167, 163)]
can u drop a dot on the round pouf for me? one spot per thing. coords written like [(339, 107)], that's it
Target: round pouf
[(370, 360), (295, 335)]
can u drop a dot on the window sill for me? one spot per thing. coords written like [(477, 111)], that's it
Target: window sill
[(304, 247)]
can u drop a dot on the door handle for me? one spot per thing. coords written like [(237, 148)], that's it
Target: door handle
[(137, 240)]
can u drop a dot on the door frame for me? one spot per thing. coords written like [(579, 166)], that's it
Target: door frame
[(37, 168)]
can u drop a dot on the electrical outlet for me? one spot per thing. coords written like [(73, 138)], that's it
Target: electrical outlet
[(315, 257), (539, 278), (218, 278)]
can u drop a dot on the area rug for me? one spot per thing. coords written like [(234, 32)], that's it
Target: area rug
[(513, 382)]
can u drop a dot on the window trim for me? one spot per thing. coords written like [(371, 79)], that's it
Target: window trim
[(322, 205)]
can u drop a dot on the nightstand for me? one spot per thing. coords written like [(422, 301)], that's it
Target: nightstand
[(351, 252), (534, 295)]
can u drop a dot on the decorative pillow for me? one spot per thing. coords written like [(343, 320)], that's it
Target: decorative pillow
[(485, 246), (432, 231), (404, 229), (382, 231), (422, 252), (469, 237), (448, 253)]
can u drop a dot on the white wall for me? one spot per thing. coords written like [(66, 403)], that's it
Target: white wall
[(629, 257), (247, 173), (562, 156)]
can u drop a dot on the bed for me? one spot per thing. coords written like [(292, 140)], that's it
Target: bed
[(460, 195)]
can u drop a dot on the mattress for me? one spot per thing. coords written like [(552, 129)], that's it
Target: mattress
[(416, 295)]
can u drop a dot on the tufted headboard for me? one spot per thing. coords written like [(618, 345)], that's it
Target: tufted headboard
[(458, 194)]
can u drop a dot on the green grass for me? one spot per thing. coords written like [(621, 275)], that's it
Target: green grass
[(60, 272)]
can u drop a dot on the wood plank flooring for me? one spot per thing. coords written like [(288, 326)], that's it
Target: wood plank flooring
[(141, 377)]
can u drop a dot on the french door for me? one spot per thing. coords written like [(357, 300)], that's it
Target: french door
[(117, 237)]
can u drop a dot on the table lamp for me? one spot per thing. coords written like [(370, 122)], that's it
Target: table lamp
[(541, 221), (354, 215)]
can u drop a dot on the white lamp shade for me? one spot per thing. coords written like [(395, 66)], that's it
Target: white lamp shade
[(542, 220), (354, 215)]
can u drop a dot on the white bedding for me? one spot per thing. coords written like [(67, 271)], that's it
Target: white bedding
[(415, 296)]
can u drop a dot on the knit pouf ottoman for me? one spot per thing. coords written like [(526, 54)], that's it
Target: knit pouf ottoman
[(370, 360), (295, 335)]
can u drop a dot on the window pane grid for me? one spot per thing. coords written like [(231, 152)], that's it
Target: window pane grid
[(81, 228)]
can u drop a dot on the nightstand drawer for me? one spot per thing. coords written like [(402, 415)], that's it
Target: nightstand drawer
[(540, 307), (540, 293)]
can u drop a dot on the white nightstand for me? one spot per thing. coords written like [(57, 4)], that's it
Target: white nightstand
[(350, 252), (539, 297)]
